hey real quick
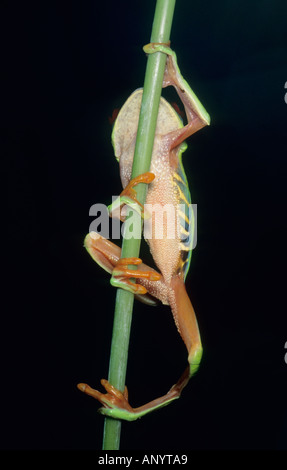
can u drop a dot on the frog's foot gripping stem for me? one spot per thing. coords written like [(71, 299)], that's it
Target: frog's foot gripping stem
[(116, 405), (128, 196), (107, 255), (122, 275), (112, 400)]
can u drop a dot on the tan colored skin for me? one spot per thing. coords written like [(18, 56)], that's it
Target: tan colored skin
[(169, 285)]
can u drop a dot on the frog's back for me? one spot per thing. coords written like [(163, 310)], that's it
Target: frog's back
[(126, 125)]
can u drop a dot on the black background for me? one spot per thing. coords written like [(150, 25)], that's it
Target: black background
[(65, 67)]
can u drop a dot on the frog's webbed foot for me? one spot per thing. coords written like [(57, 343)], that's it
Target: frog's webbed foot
[(128, 196), (122, 275), (116, 404)]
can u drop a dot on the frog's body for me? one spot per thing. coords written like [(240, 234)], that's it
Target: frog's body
[(169, 187), (171, 254)]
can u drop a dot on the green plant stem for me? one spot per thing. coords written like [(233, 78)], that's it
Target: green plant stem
[(130, 247)]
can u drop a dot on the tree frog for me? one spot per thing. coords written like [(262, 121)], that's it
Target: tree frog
[(167, 184)]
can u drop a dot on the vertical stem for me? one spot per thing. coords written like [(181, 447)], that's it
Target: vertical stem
[(130, 247)]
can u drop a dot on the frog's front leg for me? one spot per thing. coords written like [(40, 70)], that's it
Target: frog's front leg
[(122, 272), (128, 197), (197, 115), (107, 255)]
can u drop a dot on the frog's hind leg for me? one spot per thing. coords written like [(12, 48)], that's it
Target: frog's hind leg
[(115, 403), (186, 322)]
